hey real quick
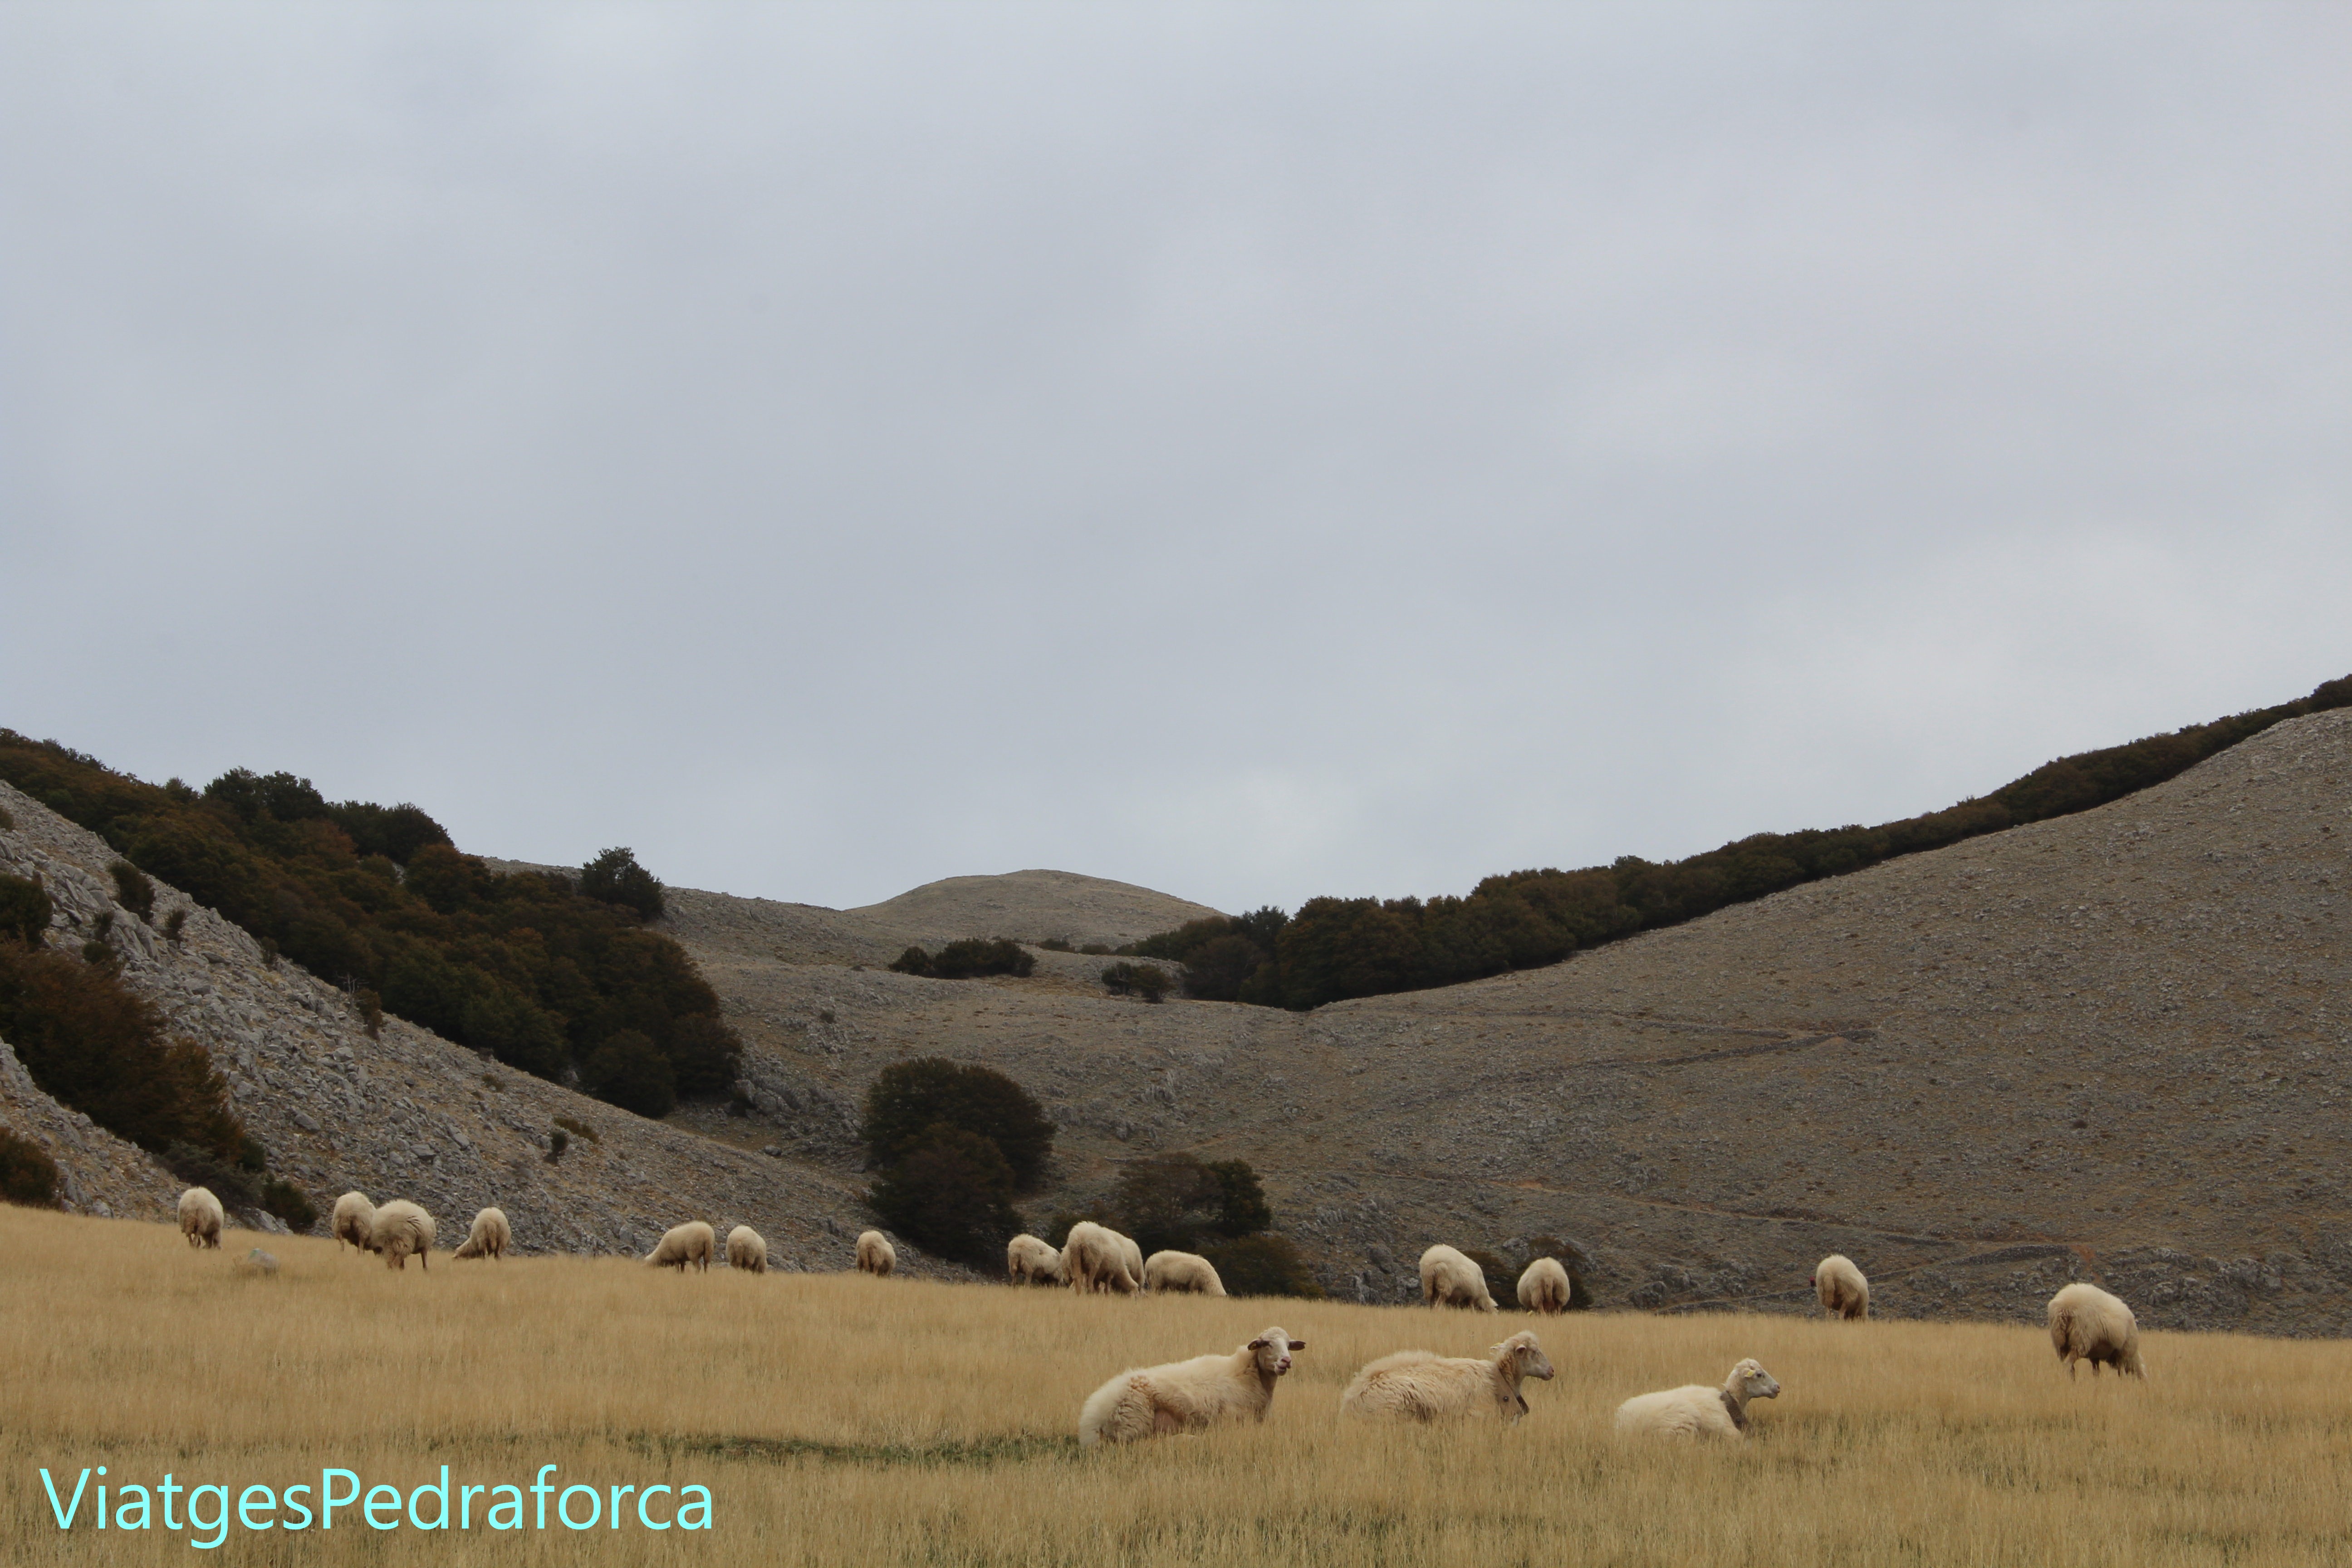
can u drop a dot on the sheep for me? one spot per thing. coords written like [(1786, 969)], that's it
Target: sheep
[(876, 1256), (201, 1217), (1842, 1289), (693, 1242), (490, 1237), (1543, 1287), (1696, 1410), (2086, 1324), (1182, 1272), (1187, 1395), (355, 1221), (1093, 1259), (1132, 1256), (1418, 1385), (1027, 1258), (747, 1249), (401, 1228), (1450, 1279)]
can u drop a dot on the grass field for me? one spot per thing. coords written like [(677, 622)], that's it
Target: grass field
[(845, 1420)]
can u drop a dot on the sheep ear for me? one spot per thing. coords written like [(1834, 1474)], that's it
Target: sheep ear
[(1298, 1345), (1256, 1344)]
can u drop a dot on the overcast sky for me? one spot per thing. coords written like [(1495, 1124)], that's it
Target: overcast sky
[(1253, 452)]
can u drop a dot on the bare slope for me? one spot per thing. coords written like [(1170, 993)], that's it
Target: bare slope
[(2103, 1045)]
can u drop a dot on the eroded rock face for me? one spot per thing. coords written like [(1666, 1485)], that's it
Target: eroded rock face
[(408, 1114)]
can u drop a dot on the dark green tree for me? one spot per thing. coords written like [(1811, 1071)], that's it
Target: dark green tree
[(628, 1070), (907, 1099), (1167, 1201), (616, 878), (950, 1190), (1262, 1265), (1244, 1210), (25, 908), (133, 890)]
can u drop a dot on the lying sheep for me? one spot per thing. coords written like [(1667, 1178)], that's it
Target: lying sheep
[(1842, 1289), (401, 1228), (1182, 1272), (1696, 1410), (876, 1256), (1093, 1259), (1450, 1279), (2086, 1324), (355, 1221), (747, 1249), (1544, 1286), (490, 1238), (1187, 1395), (1417, 1386), (201, 1217), (693, 1242), (1028, 1258)]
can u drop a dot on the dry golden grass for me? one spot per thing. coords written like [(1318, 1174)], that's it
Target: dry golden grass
[(848, 1420)]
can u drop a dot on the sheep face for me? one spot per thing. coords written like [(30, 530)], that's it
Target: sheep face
[(1274, 1348), (1527, 1358), (1753, 1382)]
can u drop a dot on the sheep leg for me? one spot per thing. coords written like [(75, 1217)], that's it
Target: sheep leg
[(1164, 1420)]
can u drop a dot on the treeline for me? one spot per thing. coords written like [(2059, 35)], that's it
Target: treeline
[(1333, 949), (549, 973)]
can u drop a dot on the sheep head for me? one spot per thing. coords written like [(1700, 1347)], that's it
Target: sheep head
[(1525, 1357), (1749, 1380), (1273, 1348)]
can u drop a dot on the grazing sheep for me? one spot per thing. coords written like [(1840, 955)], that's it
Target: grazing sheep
[(1450, 1279), (1186, 1396), (490, 1237), (201, 1217), (1028, 1258), (1093, 1259), (401, 1228), (747, 1249), (1544, 1286), (693, 1242), (355, 1221), (2088, 1324), (1696, 1410), (1417, 1386), (1182, 1272), (1842, 1289), (876, 1256), (1132, 1256)]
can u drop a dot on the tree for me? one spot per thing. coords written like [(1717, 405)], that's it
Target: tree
[(1243, 1211), (705, 1054), (25, 910), (629, 1070), (1262, 1265), (907, 1099), (1167, 1201), (950, 1190), (616, 878)]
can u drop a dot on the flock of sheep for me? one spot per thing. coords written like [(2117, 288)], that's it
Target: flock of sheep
[(2085, 1324)]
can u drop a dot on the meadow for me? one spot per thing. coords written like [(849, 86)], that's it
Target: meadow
[(838, 1419)]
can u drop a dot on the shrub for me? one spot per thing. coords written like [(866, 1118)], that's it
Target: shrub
[(950, 1193), (969, 959), (1056, 944), (133, 890), (1244, 1210), (288, 1203), (557, 1142), (616, 878), (1097, 949), (237, 1187), (27, 1174), (1148, 981), (914, 960), (908, 1099), (1262, 1265), (25, 910), (628, 1070), (176, 924), (1167, 1201), (578, 1129)]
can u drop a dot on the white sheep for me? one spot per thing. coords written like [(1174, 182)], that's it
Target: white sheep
[(1182, 1272), (1450, 1279), (1187, 1395), (1694, 1410), (1028, 1258), (1093, 1259), (355, 1221), (693, 1242), (876, 1256), (747, 1249), (402, 1228), (1840, 1285), (490, 1238), (1419, 1385), (1543, 1287), (201, 1217), (1132, 1256), (2086, 1324)]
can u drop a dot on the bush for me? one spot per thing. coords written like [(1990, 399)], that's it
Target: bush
[(629, 1071), (288, 1203), (1167, 1201), (969, 960), (908, 1099), (27, 1174), (950, 1192), (616, 878), (25, 910), (914, 960), (1148, 981), (557, 1142), (133, 890), (1243, 1211), (1262, 1265), (237, 1187), (176, 924)]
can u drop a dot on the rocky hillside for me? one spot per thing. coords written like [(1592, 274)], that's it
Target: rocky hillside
[(407, 1114), (2110, 1045)]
